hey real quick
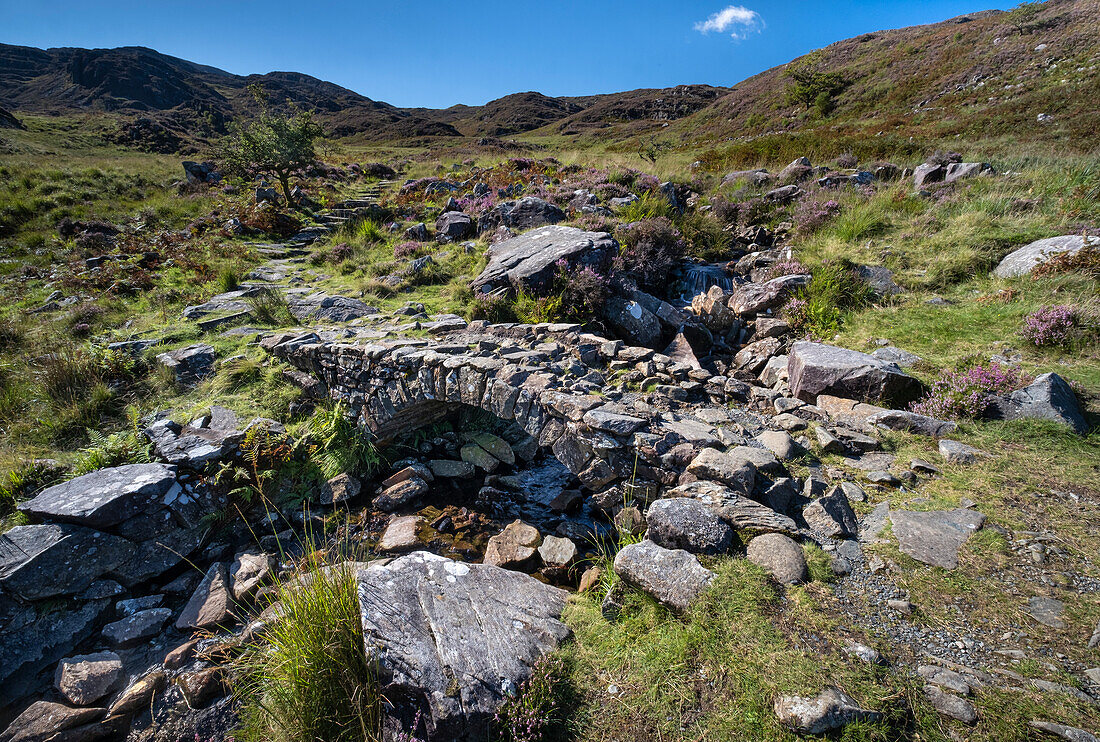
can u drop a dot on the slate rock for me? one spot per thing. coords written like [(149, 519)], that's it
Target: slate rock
[(211, 602), (137, 628), (950, 705), (529, 260), (321, 307), (341, 488), (738, 511), (831, 515), (1022, 262), (1047, 611), (189, 365), (45, 720), (86, 678), (402, 493), (672, 576), (830, 710), (45, 561), (106, 498), (934, 537), (138, 694), (756, 298), (816, 368), (421, 615), (780, 556), (632, 321), (446, 469), (1070, 734), (453, 226), (526, 213), (686, 523), (912, 422), (1049, 397)]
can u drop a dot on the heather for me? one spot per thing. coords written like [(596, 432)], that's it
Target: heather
[(969, 393)]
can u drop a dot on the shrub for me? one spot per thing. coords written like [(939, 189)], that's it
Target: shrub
[(705, 237), (755, 211), (1060, 325), (811, 214), (790, 267), (269, 307), (228, 280), (835, 287), (1085, 262), (494, 308), (310, 679), (405, 250), (530, 309), (583, 293), (966, 393), (648, 206), (340, 252), (651, 250), (535, 709)]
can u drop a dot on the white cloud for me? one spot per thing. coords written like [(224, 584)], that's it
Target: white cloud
[(740, 19)]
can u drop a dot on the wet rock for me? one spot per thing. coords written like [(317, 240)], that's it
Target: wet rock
[(44, 720), (816, 368), (515, 547), (736, 473), (496, 447), (181, 655), (831, 709), (138, 695), (673, 577), (422, 613), (341, 488), (401, 494), (401, 534), (685, 523), (934, 537), (137, 628), (780, 556), (446, 469), (474, 454), (832, 515), (529, 261), (211, 602), (950, 705), (85, 679), (1023, 261), (202, 687)]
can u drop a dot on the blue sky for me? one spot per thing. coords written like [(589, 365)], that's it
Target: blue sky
[(436, 53)]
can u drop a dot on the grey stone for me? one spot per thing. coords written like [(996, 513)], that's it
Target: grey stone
[(686, 523), (780, 555), (934, 537), (928, 173), (558, 554), (831, 515), (137, 628), (45, 561), (912, 422), (831, 709), (406, 491), (673, 577), (1047, 611), (632, 321), (526, 213), (781, 444), (815, 368), (529, 260), (954, 452), (45, 720), (1049, 397), (211, 602), (401, 534), (453, 226), (902, 358), (951, 705), (86, 678), (755, 298), (944, 678), (321, 307), (106, 498), (736, 473), (189, 365), (961, 170), (740, 512), (192, 447), (423, 613), (1070, 734), (516, 547), (446, 469), (1024, 260)]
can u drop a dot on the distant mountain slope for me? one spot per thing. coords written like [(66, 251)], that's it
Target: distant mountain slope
[(977, 76)]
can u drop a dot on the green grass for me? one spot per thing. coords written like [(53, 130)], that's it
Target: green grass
[(310, 678), (715, 673)]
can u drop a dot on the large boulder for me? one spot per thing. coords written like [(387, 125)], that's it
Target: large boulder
[(529, 261), (780, 556), (526, 213), (1049, 397), (632, 321), (816, 368), (934, 537), (453, 226), (672, 576), (1024, 260), (686, 523), (430, 621), (740, 512), (754, 298)]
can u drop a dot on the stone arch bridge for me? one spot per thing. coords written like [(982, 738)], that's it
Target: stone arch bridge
[(610, 413)]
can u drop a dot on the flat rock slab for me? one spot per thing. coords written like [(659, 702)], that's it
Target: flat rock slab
[(456, 637), (831, 709), (934, 537), (1023, 261), (45, 561), (816, 368), (530, 260), (741, 513), (106, 498)]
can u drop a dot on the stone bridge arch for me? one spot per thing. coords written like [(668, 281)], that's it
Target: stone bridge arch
[(553, 389)]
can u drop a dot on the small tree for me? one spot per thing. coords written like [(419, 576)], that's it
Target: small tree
[(274, 143), (810, 85), (651, 150), (1023, 15)]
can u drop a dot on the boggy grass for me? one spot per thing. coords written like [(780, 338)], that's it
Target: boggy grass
[(309, 677)]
